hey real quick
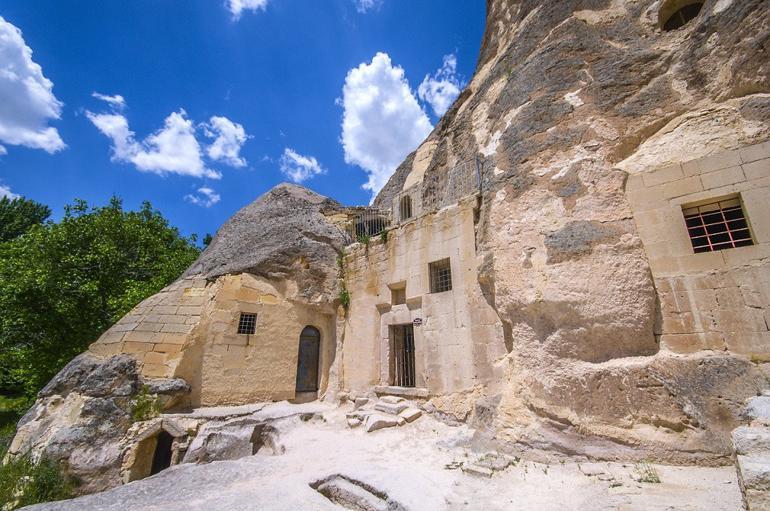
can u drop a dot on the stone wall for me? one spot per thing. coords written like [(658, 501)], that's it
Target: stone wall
[(711, 300), (189, 330), (158, 329), (460, 337)]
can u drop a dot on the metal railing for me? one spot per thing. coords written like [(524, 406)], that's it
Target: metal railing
[(439, 190), (367, 222)]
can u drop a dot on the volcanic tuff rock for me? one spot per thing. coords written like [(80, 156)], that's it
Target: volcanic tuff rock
[(568, 99), (282, 235), (82, 415)]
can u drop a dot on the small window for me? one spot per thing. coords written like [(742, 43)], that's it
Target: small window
[(247, 324), (440, 276), (398, 294), (717, 225), (405, 208), (681, 15)]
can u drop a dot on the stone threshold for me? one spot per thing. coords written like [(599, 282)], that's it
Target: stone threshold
[(411, 392)]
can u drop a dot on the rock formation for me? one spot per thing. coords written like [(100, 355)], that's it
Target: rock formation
[(567, 338)]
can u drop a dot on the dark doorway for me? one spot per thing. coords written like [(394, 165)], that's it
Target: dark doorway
[(161, 460), (307, 361), (403, 355)]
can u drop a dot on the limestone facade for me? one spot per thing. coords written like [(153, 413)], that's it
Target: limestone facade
[(457, 335), (190, 330), (716, 300)]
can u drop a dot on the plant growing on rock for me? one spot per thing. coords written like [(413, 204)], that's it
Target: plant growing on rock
[(345, 298), (646, 473), (24, 482), (145, 406)]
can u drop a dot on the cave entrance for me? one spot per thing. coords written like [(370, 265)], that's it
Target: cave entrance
[(161, 458)]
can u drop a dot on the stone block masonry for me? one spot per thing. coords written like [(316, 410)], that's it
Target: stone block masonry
[(711, 300)]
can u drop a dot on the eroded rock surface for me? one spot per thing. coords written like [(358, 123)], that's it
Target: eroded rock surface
[(568, 99), (283, 234), (82, 416)]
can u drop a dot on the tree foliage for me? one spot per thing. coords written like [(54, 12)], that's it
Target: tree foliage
[(63, 284), (18, 215)]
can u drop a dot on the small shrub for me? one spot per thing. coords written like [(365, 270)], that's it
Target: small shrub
[(365, 239), (145, 406), (384, 237), (647, 473), (23, 482), (345, 298)]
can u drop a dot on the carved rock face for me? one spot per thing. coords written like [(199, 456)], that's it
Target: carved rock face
[(282, 235), (569, 97)]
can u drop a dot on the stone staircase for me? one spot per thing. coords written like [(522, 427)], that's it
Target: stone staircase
[(383, 412), (752, 453)]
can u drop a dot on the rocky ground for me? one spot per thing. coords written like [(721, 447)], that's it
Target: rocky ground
[(317, 461)]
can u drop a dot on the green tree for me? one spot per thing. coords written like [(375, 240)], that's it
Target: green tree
[(63, 284), (18, 215), (207, 239)]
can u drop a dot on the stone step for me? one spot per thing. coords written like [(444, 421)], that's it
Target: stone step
[(758, 408), (751, 440), (477, 470), (393, 409)]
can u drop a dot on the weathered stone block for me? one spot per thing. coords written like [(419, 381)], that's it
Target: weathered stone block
[(177, 329), (684, 186), (663, 175), (719, 161), (757, 169), (723, 177)]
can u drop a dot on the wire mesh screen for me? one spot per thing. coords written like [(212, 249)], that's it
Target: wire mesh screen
[(438, 190), (367, 222)]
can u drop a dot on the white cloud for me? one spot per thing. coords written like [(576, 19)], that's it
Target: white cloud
[(206, 199), (27, 102), (6, 192), (117, 101), (382, 120), (229, 138), (363, 6), (237, 7), (441, 89), (3, 150), (299, 168), (171, 150)]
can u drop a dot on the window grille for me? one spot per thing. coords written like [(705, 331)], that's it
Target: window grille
[(404, 356), (717, 226), (440, 276), (405, 208), (247, 324)]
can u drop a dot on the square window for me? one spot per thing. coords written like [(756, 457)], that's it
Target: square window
[(247, 324), (440, 276), (717, 225), (397, 294)]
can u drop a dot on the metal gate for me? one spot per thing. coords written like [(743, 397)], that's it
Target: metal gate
[(307, 360), (403, 344)]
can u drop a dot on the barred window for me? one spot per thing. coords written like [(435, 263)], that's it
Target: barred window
[(717, 225), (440, 276), (247, 324), (405, 208)]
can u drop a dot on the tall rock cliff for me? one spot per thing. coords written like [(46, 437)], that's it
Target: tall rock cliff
[(568, 100)]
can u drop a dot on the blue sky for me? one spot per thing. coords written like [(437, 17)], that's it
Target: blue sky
[(207, 104)]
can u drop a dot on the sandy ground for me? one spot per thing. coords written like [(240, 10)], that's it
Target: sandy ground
[(410, 464)]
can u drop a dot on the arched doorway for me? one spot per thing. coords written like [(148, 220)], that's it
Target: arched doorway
[(307, 360)]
